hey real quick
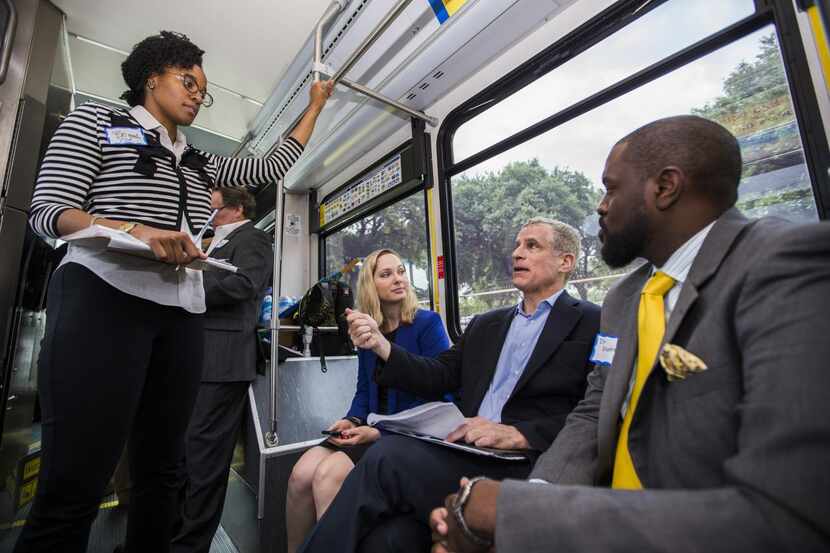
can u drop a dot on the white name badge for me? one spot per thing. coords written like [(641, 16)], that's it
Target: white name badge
[(604, 348), (126, 135)]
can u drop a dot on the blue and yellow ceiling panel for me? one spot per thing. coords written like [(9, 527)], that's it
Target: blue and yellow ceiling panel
[(444, 9)]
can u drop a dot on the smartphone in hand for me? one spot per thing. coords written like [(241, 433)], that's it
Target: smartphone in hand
[(332, 433)]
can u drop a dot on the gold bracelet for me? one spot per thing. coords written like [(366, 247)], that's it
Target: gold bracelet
[(127, 227), (94, 218)]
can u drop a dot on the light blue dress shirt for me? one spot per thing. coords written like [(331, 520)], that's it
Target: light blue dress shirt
[(521, 340)]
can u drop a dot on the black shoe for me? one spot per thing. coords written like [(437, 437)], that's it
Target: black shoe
[(118, 549)]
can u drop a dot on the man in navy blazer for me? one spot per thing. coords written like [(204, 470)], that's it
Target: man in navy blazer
[(425, 335), (519, 371)]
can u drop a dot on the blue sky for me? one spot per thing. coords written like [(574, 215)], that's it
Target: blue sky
[(583, 143)]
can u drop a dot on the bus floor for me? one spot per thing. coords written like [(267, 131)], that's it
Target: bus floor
[(108, 530)]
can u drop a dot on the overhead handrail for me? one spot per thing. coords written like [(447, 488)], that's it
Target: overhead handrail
[(8, 40), (331, 12), (433, 121), (67, 59), (370, 40), (318, 67)]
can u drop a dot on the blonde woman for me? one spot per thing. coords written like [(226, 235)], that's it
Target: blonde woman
[(384, 292)]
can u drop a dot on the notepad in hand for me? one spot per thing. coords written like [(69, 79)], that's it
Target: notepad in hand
[(102, 238)]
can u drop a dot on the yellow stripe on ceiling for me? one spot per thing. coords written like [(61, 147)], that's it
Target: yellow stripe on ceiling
[(453, 6)]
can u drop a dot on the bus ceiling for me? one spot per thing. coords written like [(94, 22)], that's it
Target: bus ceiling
[(260, 63), (409, 52)]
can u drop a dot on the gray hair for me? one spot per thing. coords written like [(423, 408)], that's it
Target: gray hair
[(566, 239)]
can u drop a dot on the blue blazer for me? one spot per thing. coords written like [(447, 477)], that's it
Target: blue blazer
[(425, 336)]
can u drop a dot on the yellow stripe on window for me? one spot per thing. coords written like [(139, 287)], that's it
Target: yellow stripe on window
[(433, 248), (820, 35)]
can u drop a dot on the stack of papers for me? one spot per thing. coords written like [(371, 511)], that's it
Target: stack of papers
[(101, 238), (433, 422), (434, 419)]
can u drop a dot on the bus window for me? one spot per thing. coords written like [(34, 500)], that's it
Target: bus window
[(402, 227), (742, 85), (646, 40)]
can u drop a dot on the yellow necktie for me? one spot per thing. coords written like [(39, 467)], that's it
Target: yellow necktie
[(651, 325)]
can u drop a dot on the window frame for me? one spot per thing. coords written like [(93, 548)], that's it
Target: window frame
[(387, 199), (780, 13)]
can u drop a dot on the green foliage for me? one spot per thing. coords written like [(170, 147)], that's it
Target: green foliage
[(490, 209), (401, 227), (755, 95), (756, 107), (795, 203)]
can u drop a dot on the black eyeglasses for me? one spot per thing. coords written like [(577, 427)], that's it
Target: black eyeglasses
[(192, 87)]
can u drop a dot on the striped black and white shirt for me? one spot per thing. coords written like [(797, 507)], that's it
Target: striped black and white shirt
[(95, 162)]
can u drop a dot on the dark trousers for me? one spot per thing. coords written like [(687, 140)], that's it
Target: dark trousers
[(211, 437), (112, 366), (398, 477), (399, 534)]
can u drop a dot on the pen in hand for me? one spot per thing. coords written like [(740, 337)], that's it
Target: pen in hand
[(198, 238)]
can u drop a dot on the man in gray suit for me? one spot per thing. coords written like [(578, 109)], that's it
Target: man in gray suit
[(705, 423), (233, 301)]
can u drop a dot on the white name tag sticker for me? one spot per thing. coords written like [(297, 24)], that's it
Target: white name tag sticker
[(604, 348), (126, 135)]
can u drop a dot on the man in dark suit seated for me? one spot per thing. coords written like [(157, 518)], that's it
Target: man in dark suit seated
[(233, 301), (705, 423), (520, 370)]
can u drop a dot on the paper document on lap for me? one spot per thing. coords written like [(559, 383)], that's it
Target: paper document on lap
[(436, 418), (433, 422), (101, 238)]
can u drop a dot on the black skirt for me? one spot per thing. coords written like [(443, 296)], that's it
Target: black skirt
[(354, 452)]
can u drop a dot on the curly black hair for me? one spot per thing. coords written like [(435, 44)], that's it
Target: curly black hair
[(153, 55)]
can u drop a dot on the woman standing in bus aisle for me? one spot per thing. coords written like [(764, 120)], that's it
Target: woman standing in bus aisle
[(122, 355), (383, 291)]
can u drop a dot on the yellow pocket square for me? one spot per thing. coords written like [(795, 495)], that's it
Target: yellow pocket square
[(679, 363)]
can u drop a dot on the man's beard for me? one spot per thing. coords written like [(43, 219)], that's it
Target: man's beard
[(620, 249)]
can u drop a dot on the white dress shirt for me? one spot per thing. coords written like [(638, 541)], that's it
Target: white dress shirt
[(221, 232), (678, 265), (519, 344)]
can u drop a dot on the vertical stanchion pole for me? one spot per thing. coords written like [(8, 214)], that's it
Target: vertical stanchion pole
[(272, 436)]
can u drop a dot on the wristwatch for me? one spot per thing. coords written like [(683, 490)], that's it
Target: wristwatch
[(458, 513), (127, 227)]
